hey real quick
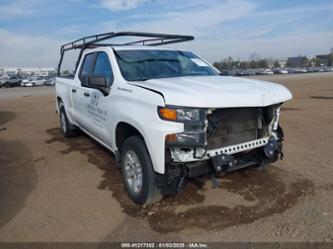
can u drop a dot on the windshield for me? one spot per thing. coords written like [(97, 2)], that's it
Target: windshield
[(137, 65)]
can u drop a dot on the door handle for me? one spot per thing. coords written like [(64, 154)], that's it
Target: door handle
[(86, 94), (73, 90)]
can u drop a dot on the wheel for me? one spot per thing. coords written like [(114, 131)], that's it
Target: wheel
[(137, 171), (68, 129), (7, 85)]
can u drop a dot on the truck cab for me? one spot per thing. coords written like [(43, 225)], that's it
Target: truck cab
[(167, 114)]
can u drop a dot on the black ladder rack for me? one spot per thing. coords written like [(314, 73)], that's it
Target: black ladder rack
[(92, 41), (153, 39)]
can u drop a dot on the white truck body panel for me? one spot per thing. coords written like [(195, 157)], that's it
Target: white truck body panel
[(219, 91)]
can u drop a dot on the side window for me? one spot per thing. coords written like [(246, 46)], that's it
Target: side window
[(87, 67), (103, 67)]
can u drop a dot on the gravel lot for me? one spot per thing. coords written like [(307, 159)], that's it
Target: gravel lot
[(57, 189)]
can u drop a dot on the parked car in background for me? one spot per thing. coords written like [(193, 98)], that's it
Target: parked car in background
[(49, 81), (290, 70), (327, 69), (281, 71), (34, 81), (300, 70), (25, 81), (2, 81), (241, 72), (224, 73), (251, 71), (10, 81), (311, 69), (268, 71)]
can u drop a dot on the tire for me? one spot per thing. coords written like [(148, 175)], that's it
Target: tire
[(68, 129), (148, 193)]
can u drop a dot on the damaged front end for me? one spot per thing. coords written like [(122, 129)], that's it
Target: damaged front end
[(217, 141)]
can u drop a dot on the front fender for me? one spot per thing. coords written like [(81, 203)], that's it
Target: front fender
[(139, 109), (154, 134)]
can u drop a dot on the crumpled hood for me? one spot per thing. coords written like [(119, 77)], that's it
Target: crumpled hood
[(217, 91)]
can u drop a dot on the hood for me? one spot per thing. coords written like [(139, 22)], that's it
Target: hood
[(217, 91)]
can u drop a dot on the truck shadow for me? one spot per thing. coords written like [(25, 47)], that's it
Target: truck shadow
[(245, 196), (17, 173), (18, 178)]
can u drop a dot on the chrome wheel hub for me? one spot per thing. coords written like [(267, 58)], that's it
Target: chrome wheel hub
[(133, 171)]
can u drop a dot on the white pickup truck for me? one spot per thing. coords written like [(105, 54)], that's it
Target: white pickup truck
[(167, 114)]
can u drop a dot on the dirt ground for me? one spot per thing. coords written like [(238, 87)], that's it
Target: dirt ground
[(57, 189)]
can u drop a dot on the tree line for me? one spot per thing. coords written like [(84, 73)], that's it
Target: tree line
[(255, 62), (230, 63)]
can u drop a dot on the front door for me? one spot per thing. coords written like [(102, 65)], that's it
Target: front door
[(96, 107)]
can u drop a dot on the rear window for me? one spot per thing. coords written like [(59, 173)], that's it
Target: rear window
[(68, 64)]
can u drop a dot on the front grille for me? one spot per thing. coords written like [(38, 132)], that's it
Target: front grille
[(231, 126)]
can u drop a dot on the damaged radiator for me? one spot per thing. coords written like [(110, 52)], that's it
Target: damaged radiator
[(230, 126)]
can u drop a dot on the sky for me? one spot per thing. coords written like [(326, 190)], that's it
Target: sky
[(32, 31)]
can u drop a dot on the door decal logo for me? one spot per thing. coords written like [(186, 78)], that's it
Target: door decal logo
[(99, 115), (94, 98)]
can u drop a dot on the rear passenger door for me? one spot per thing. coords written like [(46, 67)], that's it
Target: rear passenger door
[(96, 104)]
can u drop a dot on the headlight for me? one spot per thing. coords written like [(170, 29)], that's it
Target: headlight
[(194, 120), (179, 114)]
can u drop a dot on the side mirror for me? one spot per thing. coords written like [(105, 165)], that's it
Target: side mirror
[(98, 82)]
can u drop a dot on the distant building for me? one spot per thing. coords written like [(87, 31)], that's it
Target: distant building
[(39, 71), (324, 59), (283, 62), (299, 61)]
